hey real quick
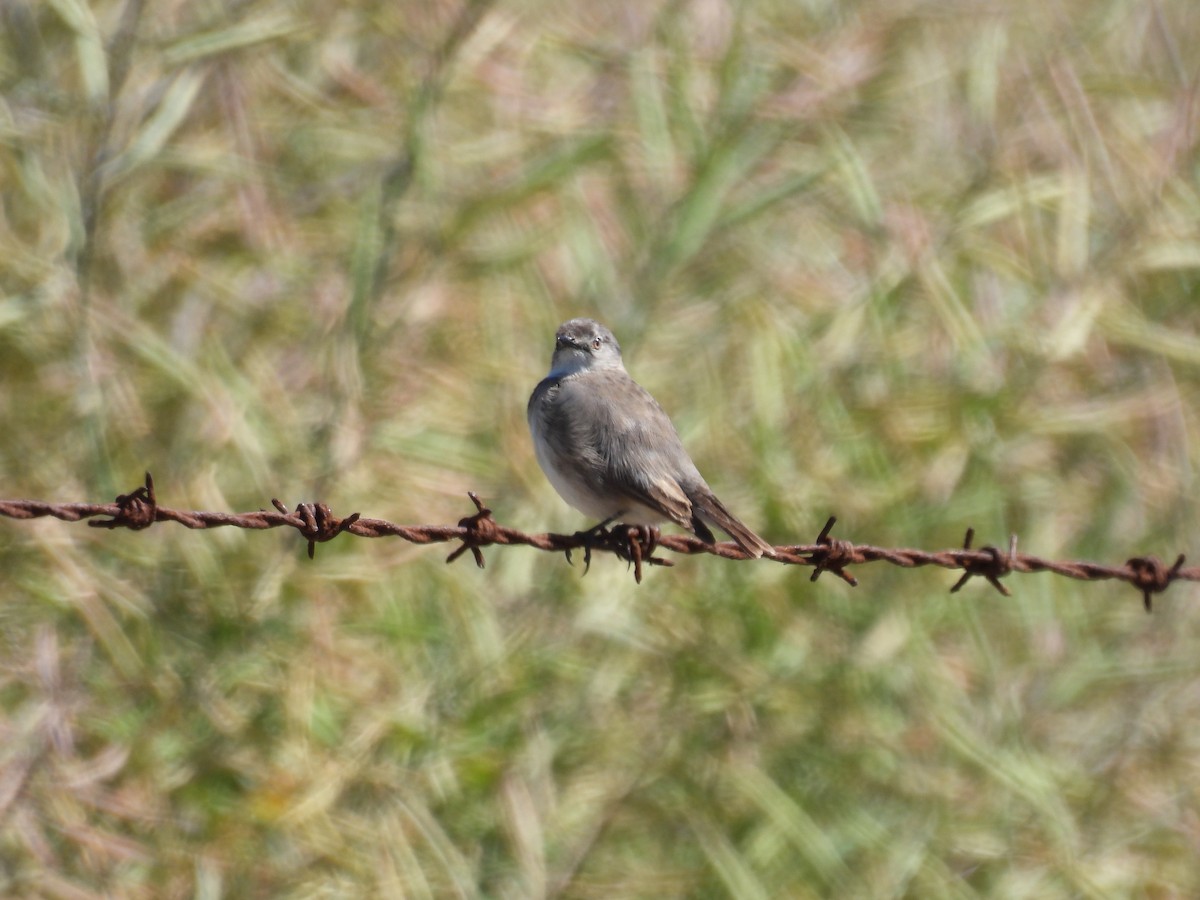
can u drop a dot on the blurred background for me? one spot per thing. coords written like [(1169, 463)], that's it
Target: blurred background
[(922, 265)]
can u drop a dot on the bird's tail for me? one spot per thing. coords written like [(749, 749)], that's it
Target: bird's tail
[(705, 505)]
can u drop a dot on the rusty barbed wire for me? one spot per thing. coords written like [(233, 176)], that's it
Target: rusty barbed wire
[(636, 545)]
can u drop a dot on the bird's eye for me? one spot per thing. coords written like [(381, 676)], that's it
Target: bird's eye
[(596, 343)]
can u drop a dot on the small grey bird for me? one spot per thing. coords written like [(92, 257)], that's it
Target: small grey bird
[(609, 449)]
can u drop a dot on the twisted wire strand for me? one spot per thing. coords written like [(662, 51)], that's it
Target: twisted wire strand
[(139, 509)]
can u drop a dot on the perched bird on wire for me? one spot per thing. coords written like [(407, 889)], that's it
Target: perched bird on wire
[(611, 451)]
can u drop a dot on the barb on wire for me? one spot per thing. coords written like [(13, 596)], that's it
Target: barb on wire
[(832, 555), (993, 567), (635, 544)]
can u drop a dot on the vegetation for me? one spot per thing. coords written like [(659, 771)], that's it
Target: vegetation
[(921, 265)]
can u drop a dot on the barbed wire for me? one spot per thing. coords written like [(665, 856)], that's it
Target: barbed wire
[(636, 545)]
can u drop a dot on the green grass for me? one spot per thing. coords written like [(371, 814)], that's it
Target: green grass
[(921, 266)]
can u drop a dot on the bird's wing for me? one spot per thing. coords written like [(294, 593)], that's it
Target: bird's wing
[(646, 460)]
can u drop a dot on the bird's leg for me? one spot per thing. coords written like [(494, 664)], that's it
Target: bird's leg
[(594, 535)]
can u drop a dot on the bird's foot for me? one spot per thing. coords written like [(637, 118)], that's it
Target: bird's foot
[(641, 542), (596, 536), (633, 543)]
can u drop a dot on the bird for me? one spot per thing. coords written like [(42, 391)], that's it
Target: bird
[(610, 450)]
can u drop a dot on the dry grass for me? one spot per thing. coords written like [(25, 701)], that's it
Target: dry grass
[(923, 265)]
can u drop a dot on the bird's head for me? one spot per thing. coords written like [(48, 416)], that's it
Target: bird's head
[(584, 344)]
